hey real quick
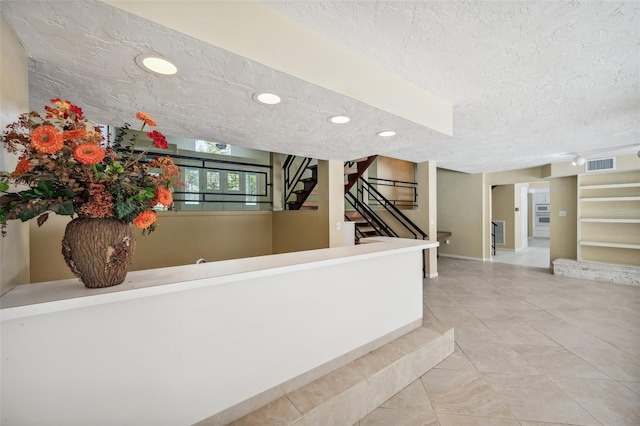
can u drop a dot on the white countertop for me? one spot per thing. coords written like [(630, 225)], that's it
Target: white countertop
[(33, 299)]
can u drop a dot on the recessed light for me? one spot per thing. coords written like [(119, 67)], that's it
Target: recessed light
[(386, 133), (156, 64), (266, 98), (339, 119)]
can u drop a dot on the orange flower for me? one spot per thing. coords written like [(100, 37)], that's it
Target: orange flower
[(144, 117), (46, 139), (23, 166), (89, 153), (74, 134), (163, 196), (145, 219)]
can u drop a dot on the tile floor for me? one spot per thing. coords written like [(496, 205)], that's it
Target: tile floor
[(532, 349), (536, 254)]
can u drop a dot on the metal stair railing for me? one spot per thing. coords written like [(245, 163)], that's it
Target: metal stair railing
[(493, 237), (401, 184), (370, 216), (374, 194), (292, 177)]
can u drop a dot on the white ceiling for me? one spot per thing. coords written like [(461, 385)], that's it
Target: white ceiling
[(531, 82)]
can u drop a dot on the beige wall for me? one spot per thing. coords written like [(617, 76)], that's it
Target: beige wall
[(563, 229), (394, 169), (502, 208), (331, 199), (531, 174), (299, 230), (181, 238), (14, 100), (461, 210)]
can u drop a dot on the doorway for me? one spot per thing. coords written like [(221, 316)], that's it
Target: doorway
[(520, 207)]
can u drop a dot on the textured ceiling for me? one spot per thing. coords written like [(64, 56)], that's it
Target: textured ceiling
[(531, 82)]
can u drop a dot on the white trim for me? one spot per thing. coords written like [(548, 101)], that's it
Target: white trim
[(455, 256), (435, 274)]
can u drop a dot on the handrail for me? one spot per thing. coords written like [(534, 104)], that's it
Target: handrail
[(392, 183), (291, 180), (370, 216), (392, 209), (493, 237)]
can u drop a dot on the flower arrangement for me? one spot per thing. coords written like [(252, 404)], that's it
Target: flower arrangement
[(70, 169)]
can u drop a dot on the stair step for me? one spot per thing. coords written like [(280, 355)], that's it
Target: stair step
[(352, 214), (367, 229), (308, 179), (347, 394), (350, 170)]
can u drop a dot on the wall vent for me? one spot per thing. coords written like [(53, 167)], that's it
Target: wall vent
[(499, 230), (600, 164)]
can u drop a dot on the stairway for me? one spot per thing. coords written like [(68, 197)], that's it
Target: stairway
[(352, 171), (302, 194), (363, 228), (347, 394)]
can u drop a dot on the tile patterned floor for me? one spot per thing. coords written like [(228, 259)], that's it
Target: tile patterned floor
[(532, 349), (536, 254)]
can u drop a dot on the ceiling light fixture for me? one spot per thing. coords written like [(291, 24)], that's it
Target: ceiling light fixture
[(156, 64), (386, 133), (339, 119), (578, 161), (266, 98)]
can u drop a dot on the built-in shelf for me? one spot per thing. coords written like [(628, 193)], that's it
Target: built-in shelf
[(612, 245), (611, 199), (612, 185), (608, 220)]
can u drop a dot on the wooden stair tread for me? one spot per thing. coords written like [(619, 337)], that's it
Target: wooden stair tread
[(352, 214), (350, 170), (366, 229)]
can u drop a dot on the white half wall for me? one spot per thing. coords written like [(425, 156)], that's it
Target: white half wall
[(179, 352)]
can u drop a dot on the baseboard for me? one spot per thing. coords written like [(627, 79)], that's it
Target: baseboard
[(435, 274), (455, 256)]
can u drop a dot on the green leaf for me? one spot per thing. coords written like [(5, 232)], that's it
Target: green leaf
[(124, 209), (66, 208), (4, 187), (34, 210)]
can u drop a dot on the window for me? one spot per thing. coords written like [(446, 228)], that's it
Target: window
[(213, 180), (213, 147), (192, 184), (233, 181), (251, 187)]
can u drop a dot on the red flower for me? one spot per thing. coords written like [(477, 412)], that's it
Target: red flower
[(23, 166), (89, 153), (73, 134), (145, 219), (159, 141), (46, 139), (76, 110)]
